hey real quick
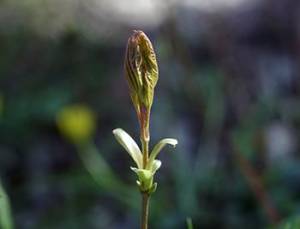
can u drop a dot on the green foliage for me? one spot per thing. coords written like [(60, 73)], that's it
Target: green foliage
[(292, 223)]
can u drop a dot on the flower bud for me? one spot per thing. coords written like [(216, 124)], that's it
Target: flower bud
[(141, 70)]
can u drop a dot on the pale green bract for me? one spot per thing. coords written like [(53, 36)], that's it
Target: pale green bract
[(129, 145), (145, 175), (158, 147)]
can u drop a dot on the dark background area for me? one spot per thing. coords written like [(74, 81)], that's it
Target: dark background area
[(229, 91)]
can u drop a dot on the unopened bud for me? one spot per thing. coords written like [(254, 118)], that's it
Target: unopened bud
[(141, 70)]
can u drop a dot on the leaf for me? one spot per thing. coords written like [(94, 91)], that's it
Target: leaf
[(159, 146), (129, 145)]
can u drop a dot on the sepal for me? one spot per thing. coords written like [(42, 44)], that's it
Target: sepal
[(145, 179)]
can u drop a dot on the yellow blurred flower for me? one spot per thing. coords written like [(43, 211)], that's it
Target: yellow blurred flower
[(77, 123)]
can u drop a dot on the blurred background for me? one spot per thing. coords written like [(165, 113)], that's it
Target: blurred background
[(229, 91)]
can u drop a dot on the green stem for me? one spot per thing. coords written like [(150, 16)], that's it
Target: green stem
[(145, 138), (145, 210), (145, 150), (145, 196)]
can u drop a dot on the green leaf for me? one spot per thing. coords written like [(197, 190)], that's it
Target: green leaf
[(129, 145), (158, 147)]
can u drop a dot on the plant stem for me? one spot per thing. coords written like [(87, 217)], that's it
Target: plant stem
[(145, 138), (145, 150), (144, 120), (145, 196), (145, 210)]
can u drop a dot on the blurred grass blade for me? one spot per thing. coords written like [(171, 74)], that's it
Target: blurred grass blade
[(104, 176), (189, 223), (5, 211)]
